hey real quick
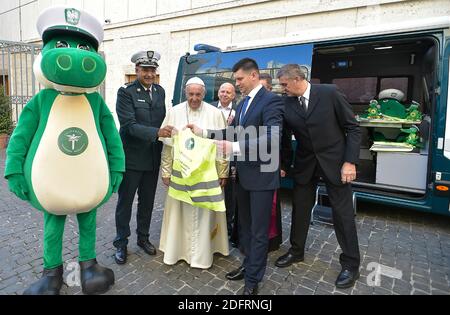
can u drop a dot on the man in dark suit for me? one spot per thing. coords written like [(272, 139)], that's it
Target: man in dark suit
[(328, 138), (141, 110), (266, 80), (227, 106), (256, 127)]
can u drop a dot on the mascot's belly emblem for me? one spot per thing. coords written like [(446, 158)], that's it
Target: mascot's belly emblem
[(73, 141), (70, 160)]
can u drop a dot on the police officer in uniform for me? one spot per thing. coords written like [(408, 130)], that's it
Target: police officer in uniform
[(141, 109)]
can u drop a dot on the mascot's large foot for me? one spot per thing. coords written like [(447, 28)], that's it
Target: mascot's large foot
[(49, 284), (95, 279)]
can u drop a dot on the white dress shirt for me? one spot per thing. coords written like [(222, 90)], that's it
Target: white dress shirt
[(226, 111), (306, 95), (149, 90), (252, 94)]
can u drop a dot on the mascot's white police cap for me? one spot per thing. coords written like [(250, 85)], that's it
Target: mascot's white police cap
[(59, 19), (392, 93), (195, 80), (147, 58)]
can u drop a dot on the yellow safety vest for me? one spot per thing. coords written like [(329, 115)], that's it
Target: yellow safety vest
[(194, 178)]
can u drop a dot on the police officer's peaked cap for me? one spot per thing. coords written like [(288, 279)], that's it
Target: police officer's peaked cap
[(62, 19), (147, 58)]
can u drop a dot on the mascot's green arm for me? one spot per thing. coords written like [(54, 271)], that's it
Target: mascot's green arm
[(22, 136), (116, 156)]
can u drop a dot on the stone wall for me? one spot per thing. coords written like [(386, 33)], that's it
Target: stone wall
[(173, 27)]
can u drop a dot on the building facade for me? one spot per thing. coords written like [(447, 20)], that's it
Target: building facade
[(174, 27)]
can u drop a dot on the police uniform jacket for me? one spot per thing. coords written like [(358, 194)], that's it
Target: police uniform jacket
[(140, 118)]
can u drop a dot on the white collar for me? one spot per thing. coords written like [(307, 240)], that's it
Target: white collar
[(254, 91), (191, 110), (307, 92), (145, 89), (230, 106)]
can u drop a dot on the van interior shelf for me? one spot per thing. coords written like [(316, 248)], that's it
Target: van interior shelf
[(386, 124)]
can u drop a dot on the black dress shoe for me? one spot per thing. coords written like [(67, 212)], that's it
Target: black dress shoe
[(288, 259), (250, 291), (147, 246), (346, 278), (237, 274), (95, 279), (121, 256), (49, 284)]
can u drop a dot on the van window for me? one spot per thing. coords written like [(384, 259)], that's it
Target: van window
[(399, 83), (214, 68), (222, 77), (358, 90)]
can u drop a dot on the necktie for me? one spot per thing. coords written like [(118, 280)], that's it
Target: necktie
[(302, 102), (149, 91), (244, 108)]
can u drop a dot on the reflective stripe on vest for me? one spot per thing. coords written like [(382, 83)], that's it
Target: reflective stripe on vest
[(194, 178)]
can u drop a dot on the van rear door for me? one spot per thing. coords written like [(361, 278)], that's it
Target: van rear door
[(441, 163)]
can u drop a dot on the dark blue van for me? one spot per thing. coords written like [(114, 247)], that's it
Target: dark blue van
[(412, 58)]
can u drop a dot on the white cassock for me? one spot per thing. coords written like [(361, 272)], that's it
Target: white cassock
[(191, 233)]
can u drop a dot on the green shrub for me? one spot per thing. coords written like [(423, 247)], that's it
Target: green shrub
[(6, 123)]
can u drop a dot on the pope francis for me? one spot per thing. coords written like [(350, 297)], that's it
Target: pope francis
[(188, 232)]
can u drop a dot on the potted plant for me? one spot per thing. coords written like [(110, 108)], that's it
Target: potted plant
[(6, 123)]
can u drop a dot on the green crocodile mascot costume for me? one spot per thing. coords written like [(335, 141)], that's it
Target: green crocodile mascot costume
[(65, 156)]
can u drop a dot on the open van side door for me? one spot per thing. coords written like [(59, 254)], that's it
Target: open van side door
[(445, 92)]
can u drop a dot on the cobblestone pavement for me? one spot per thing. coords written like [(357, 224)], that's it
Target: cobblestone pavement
[(416, 244)]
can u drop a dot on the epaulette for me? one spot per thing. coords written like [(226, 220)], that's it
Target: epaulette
[(158, 86), (127, 85)]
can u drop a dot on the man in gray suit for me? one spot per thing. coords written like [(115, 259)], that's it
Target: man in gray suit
[(266, 80)]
